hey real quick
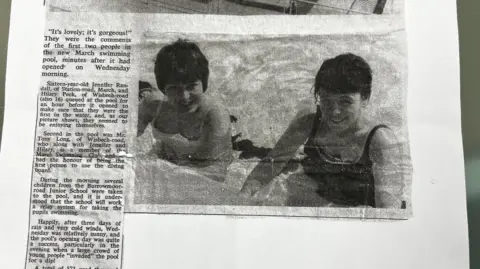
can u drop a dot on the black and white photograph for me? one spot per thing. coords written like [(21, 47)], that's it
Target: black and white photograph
[(297, 125), (236, 134), (234, 7)]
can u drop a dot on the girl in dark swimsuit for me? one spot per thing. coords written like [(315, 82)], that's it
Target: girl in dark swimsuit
[(352, 162), (342, 182)]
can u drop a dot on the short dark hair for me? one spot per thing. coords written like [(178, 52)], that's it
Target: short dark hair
[(346, 73), (181, 61)]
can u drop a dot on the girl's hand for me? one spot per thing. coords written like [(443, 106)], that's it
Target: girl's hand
[(143, 93), (149, 95)]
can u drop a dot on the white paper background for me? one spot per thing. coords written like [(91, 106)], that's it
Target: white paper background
[(436, 237)]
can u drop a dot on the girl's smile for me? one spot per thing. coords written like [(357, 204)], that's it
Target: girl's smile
[(186, 97), (341, 111)]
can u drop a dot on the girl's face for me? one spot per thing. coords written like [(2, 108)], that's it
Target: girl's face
[(341, 111), (187, 97)]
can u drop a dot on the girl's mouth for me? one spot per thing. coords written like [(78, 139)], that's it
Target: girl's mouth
[(186, 103), (337, 121)]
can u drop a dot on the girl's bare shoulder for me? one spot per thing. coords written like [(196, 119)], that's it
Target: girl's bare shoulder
[(215, 108), (383, 138)]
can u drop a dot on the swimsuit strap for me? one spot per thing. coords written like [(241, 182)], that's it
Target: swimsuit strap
[(314, 130), (365, 158)]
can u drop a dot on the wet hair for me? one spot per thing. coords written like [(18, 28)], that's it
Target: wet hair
[(181, 61), (346, 73)]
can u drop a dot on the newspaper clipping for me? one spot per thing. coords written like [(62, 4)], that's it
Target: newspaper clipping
[(262, 109), (137, 115), (80, 164)]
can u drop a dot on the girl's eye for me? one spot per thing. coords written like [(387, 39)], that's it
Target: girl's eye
[(345, 103)]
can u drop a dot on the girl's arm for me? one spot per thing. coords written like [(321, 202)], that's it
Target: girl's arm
[(216, 136), (388, 169), (285, 149), (147, 109)]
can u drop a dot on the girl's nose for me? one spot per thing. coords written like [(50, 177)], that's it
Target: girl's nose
[(184, 95), (336, 110)]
